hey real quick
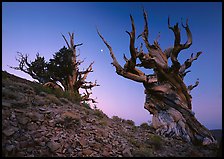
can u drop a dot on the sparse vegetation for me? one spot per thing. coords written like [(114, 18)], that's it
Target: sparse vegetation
[(103, 122), (7, 94), (86, 105), (156, 141), (80, 124), (75, 98), (39, 88), (99, 113), (53, 99), (144, 126), (116, 118), (67, 121), (4, 75), (134, 128), (134, 142), (70, 122), (130, 122), (143, 152)]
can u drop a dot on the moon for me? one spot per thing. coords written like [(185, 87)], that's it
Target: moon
[(101, 50)]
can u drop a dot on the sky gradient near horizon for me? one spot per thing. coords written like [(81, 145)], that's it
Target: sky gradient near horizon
[(31, 27)]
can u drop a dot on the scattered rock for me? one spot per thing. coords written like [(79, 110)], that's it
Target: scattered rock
[(32, 126), (206, 141), (42, 109), (19, 110), (24, 144), (127, 153), (82, 142), (9, 148), (23, 121), (53, 146), (87, 152), (106, 153), (43, 94), (70, 115), (64, 100), (45, 128), (6, 104), (95, 145), (9, 131)]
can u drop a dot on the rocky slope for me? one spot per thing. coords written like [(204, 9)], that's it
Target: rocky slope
[(37, 124)]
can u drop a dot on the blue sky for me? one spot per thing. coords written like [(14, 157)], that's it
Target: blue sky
[(37, 26)]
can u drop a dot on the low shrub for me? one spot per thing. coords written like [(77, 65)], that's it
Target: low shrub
[(86, 105), (75, 98), (156, 141), (134, 142), (103, 122), (144, 126), (116, 118), (53, 99), (8, 94), (143, 152), (39, 88), (4, 75), (99, 113), (70, 122), (130, 122)]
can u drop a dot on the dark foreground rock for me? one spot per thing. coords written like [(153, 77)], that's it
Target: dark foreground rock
[(37, 124)]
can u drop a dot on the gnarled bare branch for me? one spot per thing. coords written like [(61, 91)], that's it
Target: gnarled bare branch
[(154, 51), (24, 66), (177, 45), (65, 40), (77, 45), (89, 85), (188, 63), (132, 41), (115, 63), (131, 63), (189, 35), (125, 58), (86, 72), (118, 67), (86, 97), (191, 87)]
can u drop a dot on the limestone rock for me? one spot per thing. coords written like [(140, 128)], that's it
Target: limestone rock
[(126, 152), (9, 131), (53, 146), (23, 121)]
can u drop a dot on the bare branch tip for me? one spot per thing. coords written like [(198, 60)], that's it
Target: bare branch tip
[(139, 36), (169, 22)]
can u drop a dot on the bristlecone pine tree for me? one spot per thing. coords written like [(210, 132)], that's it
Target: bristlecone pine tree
[(63, 68), (167, 97)]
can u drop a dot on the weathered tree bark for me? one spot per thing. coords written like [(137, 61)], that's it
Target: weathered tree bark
[(77, 79), (168, 99)]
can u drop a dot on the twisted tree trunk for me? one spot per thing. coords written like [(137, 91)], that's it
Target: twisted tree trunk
[(167, 97), (77, 79)]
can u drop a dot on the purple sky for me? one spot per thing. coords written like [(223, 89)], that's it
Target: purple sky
[(37, 27)]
